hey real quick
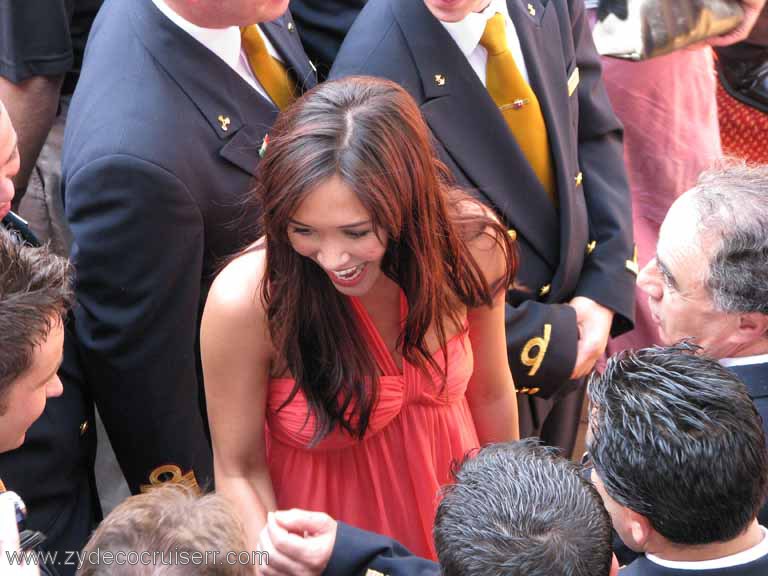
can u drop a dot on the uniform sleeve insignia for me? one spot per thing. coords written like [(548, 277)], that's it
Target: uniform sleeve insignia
[(533, 361), (573, 81), (171, 474), (632, 264)]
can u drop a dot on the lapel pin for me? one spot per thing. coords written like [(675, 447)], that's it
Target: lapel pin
[(224, 121), (531, 10), (515, 105), (439, 79), (264, 144), (290, 26)]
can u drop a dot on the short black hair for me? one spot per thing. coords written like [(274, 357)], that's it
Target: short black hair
[(519, 509), (35, 291), (676, 438)]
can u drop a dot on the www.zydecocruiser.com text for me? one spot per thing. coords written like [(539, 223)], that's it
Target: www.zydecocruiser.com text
[(135, 558)]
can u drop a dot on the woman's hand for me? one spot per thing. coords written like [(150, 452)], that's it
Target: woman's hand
[(299, 543)]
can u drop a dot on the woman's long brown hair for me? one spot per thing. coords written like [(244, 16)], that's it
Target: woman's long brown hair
[(370, 133)]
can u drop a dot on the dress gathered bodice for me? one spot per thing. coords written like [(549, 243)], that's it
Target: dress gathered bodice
[(388, 481)]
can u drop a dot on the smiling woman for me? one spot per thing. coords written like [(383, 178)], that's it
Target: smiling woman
[(341, 242), (358, 349)]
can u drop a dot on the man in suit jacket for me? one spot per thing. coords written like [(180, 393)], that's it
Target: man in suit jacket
[(35, 292), (322, 25), (532, 512), (708, 281), (577, 268), (680, 459), (160, 148), (53, 470)]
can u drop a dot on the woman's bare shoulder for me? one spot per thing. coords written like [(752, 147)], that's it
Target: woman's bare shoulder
[(477, 222), (481, 228), (237, 288)]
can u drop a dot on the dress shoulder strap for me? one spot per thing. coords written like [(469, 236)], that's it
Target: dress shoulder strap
[(381, 353)]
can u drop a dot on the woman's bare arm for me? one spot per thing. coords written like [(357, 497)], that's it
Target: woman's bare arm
[(237, 353), (491, 392)]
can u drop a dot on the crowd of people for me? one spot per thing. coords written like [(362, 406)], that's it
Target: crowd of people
[(316, 307)]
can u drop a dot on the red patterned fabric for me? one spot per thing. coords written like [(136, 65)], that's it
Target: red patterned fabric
[(743, 129)]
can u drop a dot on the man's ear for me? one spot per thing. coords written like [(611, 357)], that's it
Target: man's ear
[(752, 327), (614, 566), (639, 527)]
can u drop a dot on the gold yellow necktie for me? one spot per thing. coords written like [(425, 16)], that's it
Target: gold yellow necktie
[(517, 103), (270, 72)]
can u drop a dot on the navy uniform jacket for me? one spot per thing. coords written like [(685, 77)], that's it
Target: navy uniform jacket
[(584, 247), (323, 24), (160, 150), (53, 470), (365, 553), (644, 567), (755, 377)]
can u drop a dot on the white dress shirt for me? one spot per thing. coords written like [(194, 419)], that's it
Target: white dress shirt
[(467, 33), (226, 43), (744, 360), (756, 552)]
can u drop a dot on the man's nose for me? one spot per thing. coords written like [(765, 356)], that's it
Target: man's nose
[(649, 280), (6, 189)]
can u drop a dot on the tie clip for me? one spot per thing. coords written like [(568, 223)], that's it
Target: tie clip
[(516, 105)]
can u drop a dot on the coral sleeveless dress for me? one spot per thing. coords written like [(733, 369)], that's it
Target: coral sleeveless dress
[(387, 482)]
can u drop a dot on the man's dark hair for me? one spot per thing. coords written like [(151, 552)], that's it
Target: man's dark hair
[(676, 438), (520, 509), (35, 292)]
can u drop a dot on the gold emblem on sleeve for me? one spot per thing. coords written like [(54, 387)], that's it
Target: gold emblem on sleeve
[(540, 344), (170, 474)]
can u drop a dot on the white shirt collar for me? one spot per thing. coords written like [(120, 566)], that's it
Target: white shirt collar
[(467, 33), (745, 557), (745, 360), (224, 42)]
